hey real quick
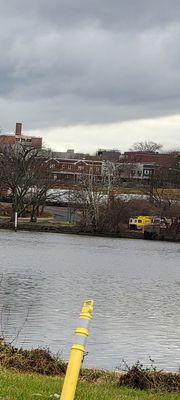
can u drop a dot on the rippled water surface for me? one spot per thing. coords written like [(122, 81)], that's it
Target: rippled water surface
[(135, 285)]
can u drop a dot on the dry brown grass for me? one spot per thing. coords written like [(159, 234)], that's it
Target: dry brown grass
[(36, 360)]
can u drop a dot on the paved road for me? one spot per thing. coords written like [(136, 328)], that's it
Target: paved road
[(61, 213)]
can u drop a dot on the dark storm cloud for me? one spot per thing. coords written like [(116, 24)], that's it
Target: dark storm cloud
[(72, 61), (124, 14)]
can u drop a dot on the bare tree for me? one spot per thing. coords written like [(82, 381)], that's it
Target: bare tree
[(23, 170), (88, 196), (114, 215), (101, 210), (162, 180), (114, 174), (40, 193), (146, 146)]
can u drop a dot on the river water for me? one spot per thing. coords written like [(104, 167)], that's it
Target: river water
[(135, 285)]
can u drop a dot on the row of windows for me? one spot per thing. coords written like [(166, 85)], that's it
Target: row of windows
[(73, 177), (78, 168), (140, 173)]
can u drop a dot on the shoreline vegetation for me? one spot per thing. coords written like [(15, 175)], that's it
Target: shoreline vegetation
[(37, 362), (70, 228), (25, 374)]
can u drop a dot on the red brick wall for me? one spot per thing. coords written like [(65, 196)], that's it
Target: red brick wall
[(7, 139), (140, 157), (30, 140), (78, 167)]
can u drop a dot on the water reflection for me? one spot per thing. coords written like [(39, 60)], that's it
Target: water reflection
[(135, 285)]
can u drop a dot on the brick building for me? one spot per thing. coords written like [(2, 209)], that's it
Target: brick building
[(133, 166), (71, 171), (141, 165), (146, 157), (18, 137)]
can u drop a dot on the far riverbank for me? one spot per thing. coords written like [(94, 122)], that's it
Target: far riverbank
[(76, 230)]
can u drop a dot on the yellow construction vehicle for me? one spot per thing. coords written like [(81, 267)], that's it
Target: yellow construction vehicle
[(138, 222)]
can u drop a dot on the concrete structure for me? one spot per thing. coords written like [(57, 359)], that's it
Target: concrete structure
[(18, 137), (109, 154), (70, 154)]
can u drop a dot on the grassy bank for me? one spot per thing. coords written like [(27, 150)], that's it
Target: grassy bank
[(36, 373), (66, 227), (16, 386)]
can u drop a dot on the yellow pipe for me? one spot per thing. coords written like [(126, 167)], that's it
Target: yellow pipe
[(77, 352)]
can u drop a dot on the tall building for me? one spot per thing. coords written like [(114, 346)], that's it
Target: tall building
[(20, 138)]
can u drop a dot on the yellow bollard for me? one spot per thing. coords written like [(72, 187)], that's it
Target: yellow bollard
[(77, 352)]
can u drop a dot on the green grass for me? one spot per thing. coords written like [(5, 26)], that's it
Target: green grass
[(16, 386)]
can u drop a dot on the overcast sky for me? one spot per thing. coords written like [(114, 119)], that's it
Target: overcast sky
[(91, 73)]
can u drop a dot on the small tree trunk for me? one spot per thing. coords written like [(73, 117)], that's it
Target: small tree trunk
[(33, 214)]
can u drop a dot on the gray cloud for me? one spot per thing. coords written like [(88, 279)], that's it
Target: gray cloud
[(67, 62), (119, 14)]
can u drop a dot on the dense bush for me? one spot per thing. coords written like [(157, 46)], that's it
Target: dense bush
[(138, 377), (36, 360)]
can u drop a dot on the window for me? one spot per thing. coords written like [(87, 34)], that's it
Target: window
[(146, 172)]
